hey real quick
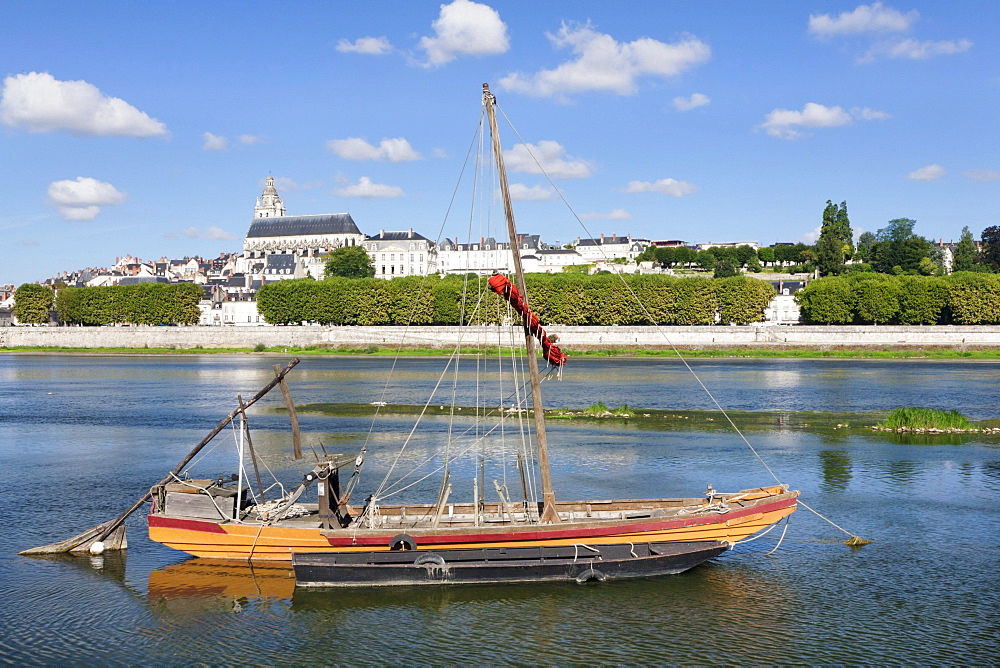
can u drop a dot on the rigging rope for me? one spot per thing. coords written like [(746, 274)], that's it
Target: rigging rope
[(855, 540)]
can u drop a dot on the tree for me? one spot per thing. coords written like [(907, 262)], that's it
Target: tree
[(990, 254), (897, 249), (32, 303), (828, 301), (683, 256), (865, 243), (349, 262), (705, 259), (836, 239), (725, 267), (965, 254)]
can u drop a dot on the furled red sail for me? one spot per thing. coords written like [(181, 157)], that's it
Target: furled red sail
[(501, 285)]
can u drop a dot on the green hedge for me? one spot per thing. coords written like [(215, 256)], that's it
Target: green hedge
[(566, 299), (140, 304), (964, 298)]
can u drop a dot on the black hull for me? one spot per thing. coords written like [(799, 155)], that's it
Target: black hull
[(500, 565)]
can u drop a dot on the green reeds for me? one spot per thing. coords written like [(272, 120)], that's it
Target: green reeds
[(926, 418), (600, 410)]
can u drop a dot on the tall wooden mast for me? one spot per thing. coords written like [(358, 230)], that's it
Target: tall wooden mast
[(549, 513)]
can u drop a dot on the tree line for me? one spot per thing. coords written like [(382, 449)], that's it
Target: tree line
[(963, 298), (139, 304), (566, 299), (894, 249)]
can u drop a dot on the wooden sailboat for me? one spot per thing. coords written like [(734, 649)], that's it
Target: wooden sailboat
[(218, 520)]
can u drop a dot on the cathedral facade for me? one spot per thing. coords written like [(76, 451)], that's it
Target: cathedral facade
[(278, 246)]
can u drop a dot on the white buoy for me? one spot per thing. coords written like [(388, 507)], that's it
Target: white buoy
[(97, 547)]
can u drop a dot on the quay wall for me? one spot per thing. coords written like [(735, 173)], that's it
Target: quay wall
[(765, 336)]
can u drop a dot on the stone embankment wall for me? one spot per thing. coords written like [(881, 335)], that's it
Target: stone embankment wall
[(569, 337)]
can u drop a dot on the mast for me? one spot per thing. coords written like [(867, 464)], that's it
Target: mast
[(549, 513)]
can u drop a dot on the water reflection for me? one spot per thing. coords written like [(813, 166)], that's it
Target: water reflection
[(836, 467), (208, 580)]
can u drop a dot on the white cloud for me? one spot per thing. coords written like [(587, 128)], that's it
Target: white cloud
[(522, 193), (607, 65), (928, 173), (811, 236), (784, 123), (356, 148), (249, 140), (614, 214), (365, 188), (915, 50), (83, 198), (864, 19), (689, 103), (38, 102), (671, 187), (213, 233), (982, 175), (866, 114), (214, 142), (465, 28), (372, 46), (545, 157)]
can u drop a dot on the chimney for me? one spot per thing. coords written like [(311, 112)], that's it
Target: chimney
[(381, 234), (411, 232), (602, 237)]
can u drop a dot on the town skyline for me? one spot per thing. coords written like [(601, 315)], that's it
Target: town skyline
[(738, 121)]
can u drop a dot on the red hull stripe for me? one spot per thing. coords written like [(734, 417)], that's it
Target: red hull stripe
[(589, 532), (208, 526)]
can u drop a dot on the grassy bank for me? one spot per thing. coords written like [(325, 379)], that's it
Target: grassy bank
[(755, 352), (834, 424)]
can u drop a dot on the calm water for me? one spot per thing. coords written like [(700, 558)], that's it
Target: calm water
[(82, 436)]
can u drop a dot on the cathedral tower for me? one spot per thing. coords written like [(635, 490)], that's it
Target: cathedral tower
[(269, 205)]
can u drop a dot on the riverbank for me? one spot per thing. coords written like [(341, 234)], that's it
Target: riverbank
[(845, 353), (743, 341)]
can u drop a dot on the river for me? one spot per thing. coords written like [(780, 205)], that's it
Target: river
[(82, 436)]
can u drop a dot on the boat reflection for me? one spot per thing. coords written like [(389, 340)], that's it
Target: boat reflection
[(214, 579)]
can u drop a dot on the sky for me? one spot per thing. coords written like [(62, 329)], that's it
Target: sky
[(148, 129)]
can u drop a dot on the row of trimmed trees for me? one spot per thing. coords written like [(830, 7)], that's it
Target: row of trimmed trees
[(140, 304), (963, 298), (567, 299)]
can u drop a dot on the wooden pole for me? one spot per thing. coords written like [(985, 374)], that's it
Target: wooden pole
[(549, 513), (64, 546), (293, 417)]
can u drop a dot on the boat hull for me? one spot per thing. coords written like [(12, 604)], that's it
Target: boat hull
[(500, 565), (278, 541)]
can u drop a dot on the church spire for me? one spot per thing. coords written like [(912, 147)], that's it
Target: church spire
[(269, 204)]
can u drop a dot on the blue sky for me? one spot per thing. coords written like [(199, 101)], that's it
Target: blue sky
[(148, 128)]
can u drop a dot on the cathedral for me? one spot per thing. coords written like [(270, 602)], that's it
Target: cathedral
[(279, 246)]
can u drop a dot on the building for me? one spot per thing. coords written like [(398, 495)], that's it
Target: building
[(306, 240), (401, 254), (783, 309), (551, 261), (485, 257), (611, 248), (728, 244)]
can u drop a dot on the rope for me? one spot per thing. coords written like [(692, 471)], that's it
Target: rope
[(853, 541), (785, 529), (254, 546)]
